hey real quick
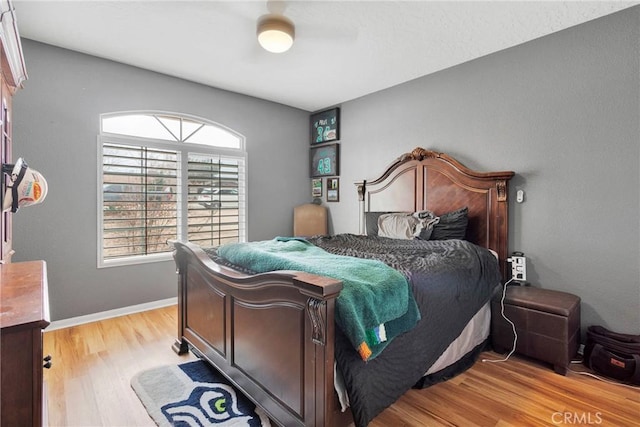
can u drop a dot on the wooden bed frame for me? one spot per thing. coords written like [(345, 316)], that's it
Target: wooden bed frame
[(272, 334)]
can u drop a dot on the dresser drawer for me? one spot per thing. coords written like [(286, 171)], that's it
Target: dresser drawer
[(24, 313)]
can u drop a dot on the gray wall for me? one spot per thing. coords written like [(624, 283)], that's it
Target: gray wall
[(563, 112), (55, 130)]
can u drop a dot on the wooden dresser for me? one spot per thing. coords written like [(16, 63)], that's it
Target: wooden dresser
[(24, 313)]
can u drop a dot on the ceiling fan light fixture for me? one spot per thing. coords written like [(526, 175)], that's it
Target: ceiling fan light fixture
[(275, 33)]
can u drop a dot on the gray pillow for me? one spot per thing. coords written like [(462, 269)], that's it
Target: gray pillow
[(371, 222), (452, 225)]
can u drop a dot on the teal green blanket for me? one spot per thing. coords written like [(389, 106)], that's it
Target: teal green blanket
[(375, 305)]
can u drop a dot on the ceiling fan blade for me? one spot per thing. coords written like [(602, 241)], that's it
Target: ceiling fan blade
[(327, 33)]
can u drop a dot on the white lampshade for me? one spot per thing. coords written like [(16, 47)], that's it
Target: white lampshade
[(275, 33)]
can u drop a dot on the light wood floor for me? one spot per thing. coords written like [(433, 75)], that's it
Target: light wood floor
[(88, 384)]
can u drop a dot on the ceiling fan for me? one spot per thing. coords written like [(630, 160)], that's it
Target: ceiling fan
[(275, 31), (305, 22)]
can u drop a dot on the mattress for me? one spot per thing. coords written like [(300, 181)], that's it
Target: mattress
[(474, 333)]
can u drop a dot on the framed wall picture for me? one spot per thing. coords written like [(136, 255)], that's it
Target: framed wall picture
[(316, 187), (325, 126), (324, 161), (333, 189)]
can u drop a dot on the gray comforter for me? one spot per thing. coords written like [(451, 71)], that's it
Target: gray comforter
[(451, 280)]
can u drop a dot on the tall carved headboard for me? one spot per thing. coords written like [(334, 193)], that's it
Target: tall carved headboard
[(428, 180)]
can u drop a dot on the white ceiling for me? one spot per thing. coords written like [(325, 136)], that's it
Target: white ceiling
[(343, 49)]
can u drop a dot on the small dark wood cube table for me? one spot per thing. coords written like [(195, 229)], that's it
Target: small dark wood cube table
[(547, 323)]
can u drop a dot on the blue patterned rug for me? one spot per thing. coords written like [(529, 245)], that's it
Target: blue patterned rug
[(194, 394)]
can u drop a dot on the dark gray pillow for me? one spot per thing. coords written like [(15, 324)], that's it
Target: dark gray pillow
[(452, 225), (371, 222)]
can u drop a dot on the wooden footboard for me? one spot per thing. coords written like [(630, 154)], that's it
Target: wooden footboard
[(271, 334)]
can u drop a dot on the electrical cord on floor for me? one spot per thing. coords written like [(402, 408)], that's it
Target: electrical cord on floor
[(513, 326), (592, 375), (515, 340)]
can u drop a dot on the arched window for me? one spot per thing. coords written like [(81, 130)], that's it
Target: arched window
[(167, 176)]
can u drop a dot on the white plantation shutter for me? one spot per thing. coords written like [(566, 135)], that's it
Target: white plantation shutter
[(139, 200), (217, 184), (184, 180)]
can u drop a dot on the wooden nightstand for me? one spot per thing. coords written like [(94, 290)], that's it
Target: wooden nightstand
[(24, 313)]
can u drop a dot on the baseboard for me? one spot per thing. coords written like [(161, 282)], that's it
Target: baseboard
[(94, 317)]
